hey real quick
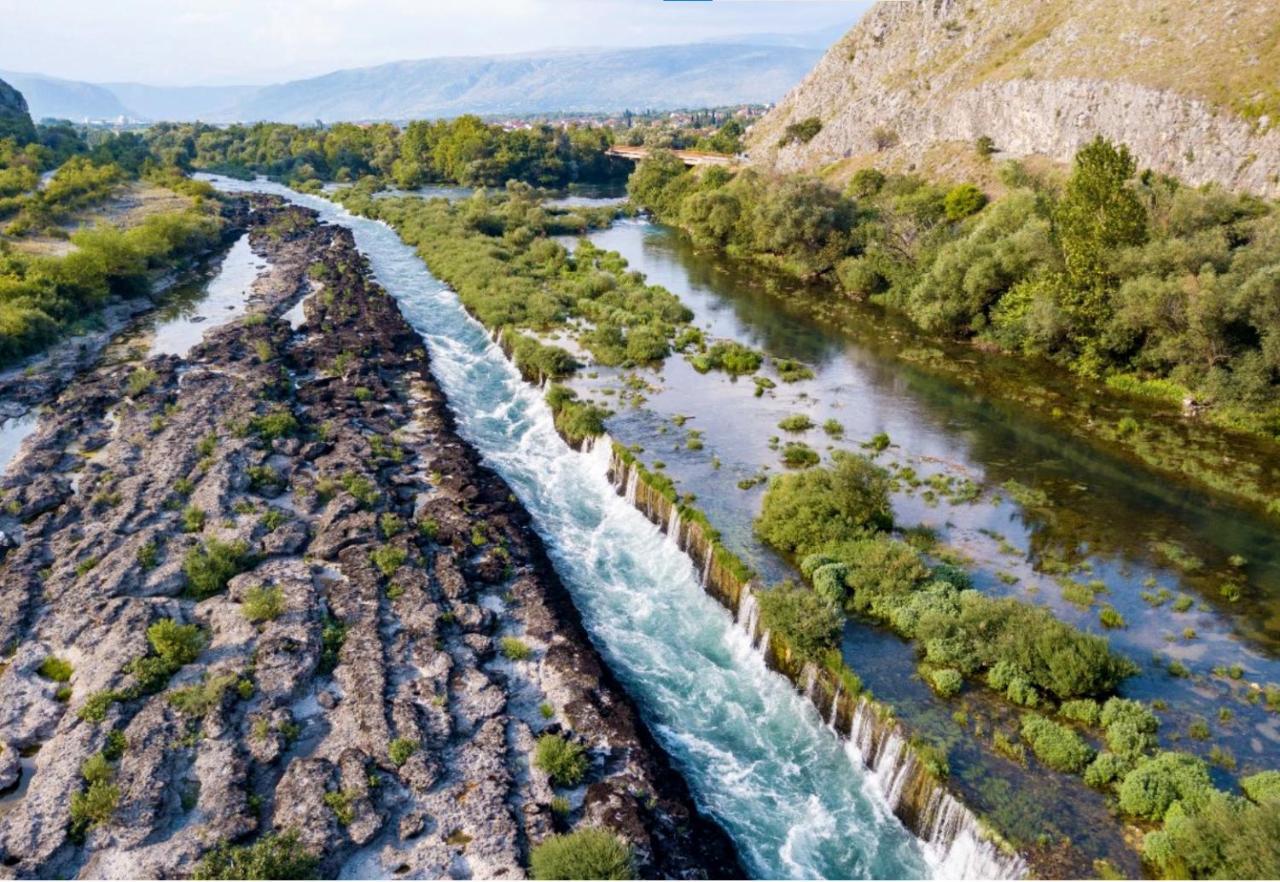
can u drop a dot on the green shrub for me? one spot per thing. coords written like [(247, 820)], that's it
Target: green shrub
[(274, 856), (590, 853), (1082, 710), (796, 423), (139, 381), (175, 644), (388, 559), (829, 583), (564, 761), (962, 201), (401, 749), (276, 423), (55, 669), (945, 681), (798, 455), (212, 565), (1106, 768), (1130, 727), (807, 623), (1158, 782), (1057, 746), (1228, 838), (193, 519), (1262, 786), (806, 510), (515, 649), (263, 603), (342, 804)]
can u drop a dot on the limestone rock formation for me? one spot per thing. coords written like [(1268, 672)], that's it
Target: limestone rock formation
[(1193, 89)]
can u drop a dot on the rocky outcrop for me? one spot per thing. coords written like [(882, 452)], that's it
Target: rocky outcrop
[(304, 500), (15, 120), (1189, 90)]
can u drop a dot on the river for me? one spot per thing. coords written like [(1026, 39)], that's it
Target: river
[(756, 755)]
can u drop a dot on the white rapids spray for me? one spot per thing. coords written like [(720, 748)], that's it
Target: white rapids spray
[(755, 753)]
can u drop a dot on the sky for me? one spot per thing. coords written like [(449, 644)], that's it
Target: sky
[(221, 42)]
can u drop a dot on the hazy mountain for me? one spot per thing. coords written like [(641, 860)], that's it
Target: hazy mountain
[(178, 102), (755, 69), (65, 99)]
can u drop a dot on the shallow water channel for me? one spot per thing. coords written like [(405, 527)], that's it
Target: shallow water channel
[(1036, 514)]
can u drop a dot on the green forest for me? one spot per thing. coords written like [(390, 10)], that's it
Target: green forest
[(464, 151), (1160, 289)]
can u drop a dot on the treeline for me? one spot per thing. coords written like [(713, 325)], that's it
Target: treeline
[(837, 522), (463, 151), (1161, 289), (41, 297), (44, 296)]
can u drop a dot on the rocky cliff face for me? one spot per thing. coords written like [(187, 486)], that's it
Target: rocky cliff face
[(1191, 88), (15, 121), (347, 682)]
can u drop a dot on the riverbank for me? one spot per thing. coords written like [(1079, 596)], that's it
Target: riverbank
[(365, 641), (1110, 346)]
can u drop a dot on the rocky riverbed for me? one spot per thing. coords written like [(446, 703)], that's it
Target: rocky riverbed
[(379, 638)]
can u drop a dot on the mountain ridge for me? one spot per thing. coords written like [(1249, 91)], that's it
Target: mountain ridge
[(751, 69), (1192, 91)]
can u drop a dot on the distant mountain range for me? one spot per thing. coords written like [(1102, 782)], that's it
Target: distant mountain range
[(755, 69)]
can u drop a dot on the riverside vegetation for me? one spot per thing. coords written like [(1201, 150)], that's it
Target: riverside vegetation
[(44, 296), (1155, 289), (837, 522)]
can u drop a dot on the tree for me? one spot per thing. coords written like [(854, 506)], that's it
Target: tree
[(1099, 213)]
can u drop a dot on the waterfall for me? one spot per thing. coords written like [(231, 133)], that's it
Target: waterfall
[(673, 528), (633, 482), (835, 707), (748, 614), (810, 680)]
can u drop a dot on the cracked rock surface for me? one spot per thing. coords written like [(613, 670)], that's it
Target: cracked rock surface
[(350, 570)]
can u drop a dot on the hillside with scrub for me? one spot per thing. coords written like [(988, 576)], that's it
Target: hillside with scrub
[(1193, 89)]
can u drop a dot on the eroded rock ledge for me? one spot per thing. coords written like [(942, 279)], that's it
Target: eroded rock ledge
[(326, 464)]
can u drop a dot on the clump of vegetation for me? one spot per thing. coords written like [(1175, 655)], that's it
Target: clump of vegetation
[(799, 455), (96, 804), (388, 559), (807, 622), (273, 856), (798, 422), (55, 669), (839, 515), (209, 567), (515, 649), (401, 749), (1156, 783), (564, 761), (278, 422), (333, 633), (263, 603), (590, 853), (1057, 746)]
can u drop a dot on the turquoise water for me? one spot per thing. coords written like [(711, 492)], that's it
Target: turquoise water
[(755, 753)]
